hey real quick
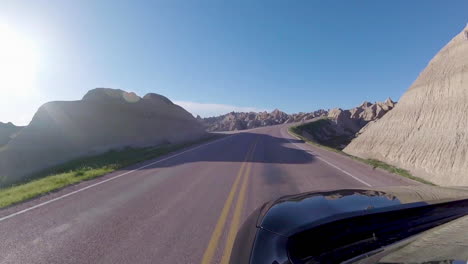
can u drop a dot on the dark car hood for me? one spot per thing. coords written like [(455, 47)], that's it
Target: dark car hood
[(290, 214)]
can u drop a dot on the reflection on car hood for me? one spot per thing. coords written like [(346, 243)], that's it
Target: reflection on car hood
[(290, 214), (447, 243)]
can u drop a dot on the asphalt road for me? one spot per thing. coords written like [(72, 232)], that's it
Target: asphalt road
[(183, 208)]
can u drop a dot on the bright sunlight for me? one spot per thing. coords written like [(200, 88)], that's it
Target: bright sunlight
[(18, 63)]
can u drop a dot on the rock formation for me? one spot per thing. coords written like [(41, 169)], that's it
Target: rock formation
[(242, 120), (104, 119), (340, 126), (427, 132)]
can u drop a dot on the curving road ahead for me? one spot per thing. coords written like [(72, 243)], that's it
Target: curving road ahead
[(183, 208)]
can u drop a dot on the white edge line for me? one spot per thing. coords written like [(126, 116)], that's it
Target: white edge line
[(329, 163), (345, 172), (107, 180)]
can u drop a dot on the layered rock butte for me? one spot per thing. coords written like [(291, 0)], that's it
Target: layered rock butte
[(427, 132), (104, 119)]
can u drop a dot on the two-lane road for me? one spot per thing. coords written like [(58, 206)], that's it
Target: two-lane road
[(184, 208)]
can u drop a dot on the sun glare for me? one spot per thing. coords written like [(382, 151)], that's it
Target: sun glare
[(18, 63)]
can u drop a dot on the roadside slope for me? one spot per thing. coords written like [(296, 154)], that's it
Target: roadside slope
[(104, 119), (426, 132)]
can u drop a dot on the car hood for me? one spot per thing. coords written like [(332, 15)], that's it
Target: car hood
[(291, 214), (446, 243)]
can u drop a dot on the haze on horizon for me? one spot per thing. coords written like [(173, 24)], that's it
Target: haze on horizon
[(214, 57)]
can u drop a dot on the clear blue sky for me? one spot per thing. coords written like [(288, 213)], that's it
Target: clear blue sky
[(291, 55)]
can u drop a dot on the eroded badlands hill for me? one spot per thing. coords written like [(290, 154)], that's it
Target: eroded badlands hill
[(427, 132), (104, 119)]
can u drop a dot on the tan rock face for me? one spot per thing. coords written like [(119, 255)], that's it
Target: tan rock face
[(427, 132), (104, 119), (354, 119), (369, 112)]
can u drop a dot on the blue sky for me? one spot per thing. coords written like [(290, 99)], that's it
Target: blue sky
[(218, 56)]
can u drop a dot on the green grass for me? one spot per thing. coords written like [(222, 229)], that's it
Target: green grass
[(297, 132), (390, 168), (82, 169)]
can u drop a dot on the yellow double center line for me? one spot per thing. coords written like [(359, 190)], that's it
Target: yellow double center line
[(218, 231)]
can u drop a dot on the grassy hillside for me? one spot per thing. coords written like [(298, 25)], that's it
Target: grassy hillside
[(82, 169), (324, 132)]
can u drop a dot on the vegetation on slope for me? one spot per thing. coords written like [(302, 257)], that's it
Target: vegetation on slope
[(324, 132), (82, 169), (313, 127)]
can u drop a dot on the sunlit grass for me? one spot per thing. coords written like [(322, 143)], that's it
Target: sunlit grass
[(15, 194), (82, 169), (390, 168)]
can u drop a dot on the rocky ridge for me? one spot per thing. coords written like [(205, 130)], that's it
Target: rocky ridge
[(242, 120), (340, 126), (353, 119)]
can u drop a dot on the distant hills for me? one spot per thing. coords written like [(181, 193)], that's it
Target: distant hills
[(103, 119), (353, 119), (243, 120), (339, 127), (427, 132)]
